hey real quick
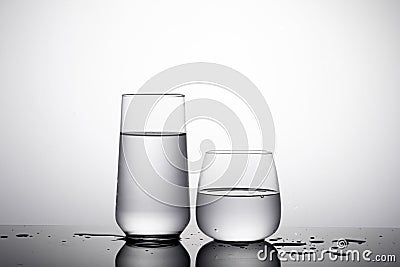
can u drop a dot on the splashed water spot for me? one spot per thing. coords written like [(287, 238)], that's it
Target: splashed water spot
[(275, 239), (288, 244), (21, 235), (98, 235), (359, 242), (317, 241)]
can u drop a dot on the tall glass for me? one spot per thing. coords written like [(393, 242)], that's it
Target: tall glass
[(238, 196), (152, 191)]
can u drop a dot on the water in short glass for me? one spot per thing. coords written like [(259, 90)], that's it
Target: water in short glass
[(152, 191), (238, 196)]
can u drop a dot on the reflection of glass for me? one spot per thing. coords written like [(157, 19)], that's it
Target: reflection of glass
[(238, 196), (173, 254), (152, 191), (221, 254)]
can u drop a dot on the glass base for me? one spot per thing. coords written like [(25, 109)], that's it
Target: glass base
[(153, 240)]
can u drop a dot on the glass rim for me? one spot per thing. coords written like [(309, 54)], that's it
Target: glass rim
[(154, 94), (239, 151)]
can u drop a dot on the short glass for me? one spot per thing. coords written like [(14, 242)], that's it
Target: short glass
[(238, 195)]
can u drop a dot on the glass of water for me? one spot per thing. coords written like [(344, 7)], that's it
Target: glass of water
[(152, 191), (238, 195)]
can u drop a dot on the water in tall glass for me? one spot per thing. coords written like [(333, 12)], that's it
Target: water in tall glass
[(152, 184)]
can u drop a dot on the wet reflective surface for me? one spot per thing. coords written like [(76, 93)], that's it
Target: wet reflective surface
[(169, 255), (106, 246), (235, 254)]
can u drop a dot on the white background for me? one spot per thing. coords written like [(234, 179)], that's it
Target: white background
[(329, 70)]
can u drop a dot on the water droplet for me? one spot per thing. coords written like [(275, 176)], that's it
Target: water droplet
[(215, 229), (21, 235), (317, 241)]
